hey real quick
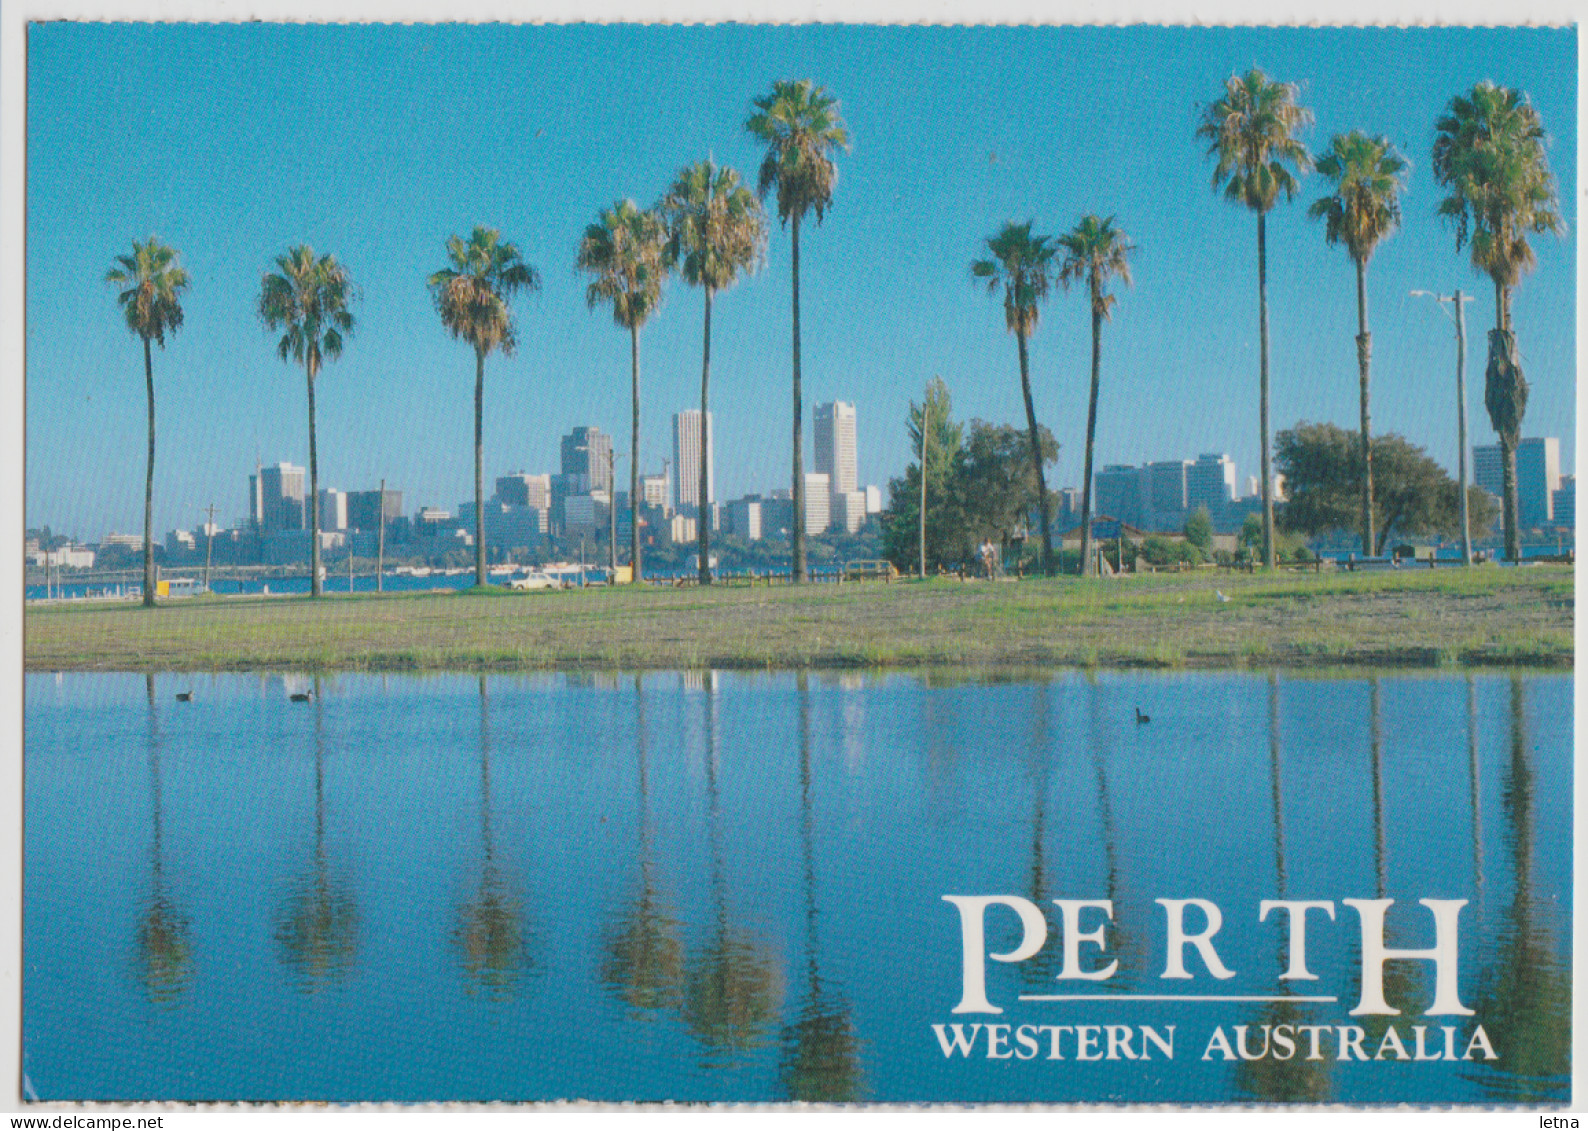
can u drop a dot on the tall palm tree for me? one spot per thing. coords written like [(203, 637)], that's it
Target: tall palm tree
[(1253, 131), (1363, 210), (151, 285), (1022, 264), (1489, 152), (308, 299), (471, 295), (800, 125), (627, 252), (718, 233), (1098, 252)]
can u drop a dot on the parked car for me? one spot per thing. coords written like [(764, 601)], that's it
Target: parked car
[(535, 581)]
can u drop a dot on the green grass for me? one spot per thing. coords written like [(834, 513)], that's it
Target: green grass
[(1428, 618)]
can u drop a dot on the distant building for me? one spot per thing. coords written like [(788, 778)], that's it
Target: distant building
[(682, 529), (333, 509), (848, 511), (1166, 493), (587, 452), (365, 509), (1122, 492), (514, 527), (835, 445), (1565, 502), (431, 521), (873, 499), (654, 490), (686, 461), (1537, 477), (518, 489), (744, 518), (589, 514), (818, 503), (180, 542), (276, 498)]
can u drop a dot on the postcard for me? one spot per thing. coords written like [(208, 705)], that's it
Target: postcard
[(822, 564)]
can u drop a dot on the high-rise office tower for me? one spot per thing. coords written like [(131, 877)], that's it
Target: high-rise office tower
[(520, 489), (1537, 477), (587, 452), (686, 460), (276, 498), (835, 445), (1210, 482)]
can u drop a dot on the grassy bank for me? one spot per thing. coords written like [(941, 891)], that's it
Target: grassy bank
[(1427, 618)]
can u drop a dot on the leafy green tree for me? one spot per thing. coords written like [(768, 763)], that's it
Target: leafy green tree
[(1415, 495), (150, 283), (1199, 530), (307, 299), (1022, 266), (800, 126), (718, 234), (1253, 131), (935, 438), (627, 252), (1489, 152), (996, 482), (471, 295), (1096, 251), (1364, 209)]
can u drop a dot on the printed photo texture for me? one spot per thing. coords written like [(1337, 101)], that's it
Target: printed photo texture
[(837, 564)]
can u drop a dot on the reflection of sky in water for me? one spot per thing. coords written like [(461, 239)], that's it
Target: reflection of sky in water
[(729, 886)]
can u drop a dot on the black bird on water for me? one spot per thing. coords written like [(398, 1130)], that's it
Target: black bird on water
[(1141, 718), (301, 696), (184, 697)]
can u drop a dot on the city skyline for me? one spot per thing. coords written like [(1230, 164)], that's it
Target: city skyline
[(385, 201)]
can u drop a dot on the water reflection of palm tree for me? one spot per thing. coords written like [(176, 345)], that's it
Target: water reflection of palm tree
[(318, 922), (733, 986), (1039, 972), (490, 929), (821, 1048), (1476, 795), (165, 959), (644, 961), (1294, 1079), (1127, 947), (1524, 993)]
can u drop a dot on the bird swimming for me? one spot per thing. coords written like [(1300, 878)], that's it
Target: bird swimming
[(1141, 718), (184, 697), (301, 696)]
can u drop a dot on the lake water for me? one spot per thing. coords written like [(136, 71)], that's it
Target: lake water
[(713, 886)]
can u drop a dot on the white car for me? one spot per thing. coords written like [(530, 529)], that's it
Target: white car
[(535, 581)]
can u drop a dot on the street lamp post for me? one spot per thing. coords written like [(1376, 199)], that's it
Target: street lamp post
[(1458, 300)]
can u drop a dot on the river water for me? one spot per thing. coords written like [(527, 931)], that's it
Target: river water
[(715, 886)]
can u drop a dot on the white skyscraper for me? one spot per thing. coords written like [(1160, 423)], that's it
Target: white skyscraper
[(835, 445), (686, 460)]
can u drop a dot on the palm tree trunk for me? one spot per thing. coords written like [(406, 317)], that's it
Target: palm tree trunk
[(926, 408), (1364, 361), (799, 432), (1510, 504), (1036, 451), (479, 460), (314, 491), (148, 486), (703, 507), (1091, 433), (1262, 328), (634, 455)]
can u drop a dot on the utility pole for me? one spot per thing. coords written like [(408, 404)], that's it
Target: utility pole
[(612, 520), (209, 545), (380, 542), (1459, 301), (925, 410)]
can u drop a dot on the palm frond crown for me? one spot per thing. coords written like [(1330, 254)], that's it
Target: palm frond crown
[(307, 299), (1253, 131), (1369, 176), (471, 293), (1022, 266), (800, 125), (1098, 252), (627, 252), (1489, 151), (716, 227), (150, 283)]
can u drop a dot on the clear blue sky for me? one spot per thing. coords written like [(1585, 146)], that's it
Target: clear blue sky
[(376, 143)]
